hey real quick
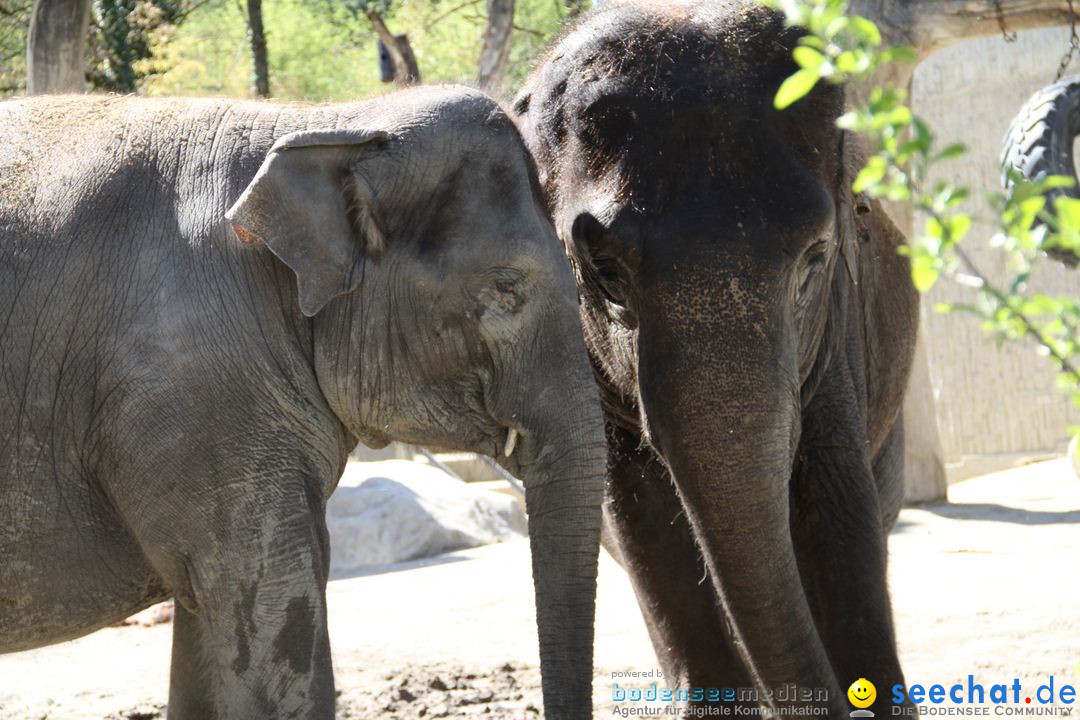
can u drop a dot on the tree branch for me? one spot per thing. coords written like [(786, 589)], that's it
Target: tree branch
[(442, 16), (1030, 328), (929, 25), (528, 31)]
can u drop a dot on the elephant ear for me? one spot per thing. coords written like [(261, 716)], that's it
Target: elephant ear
[(852, 208), (866, 228), (848, 238), (312, 205)]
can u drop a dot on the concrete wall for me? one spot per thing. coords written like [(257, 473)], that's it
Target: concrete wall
[(995, 404)]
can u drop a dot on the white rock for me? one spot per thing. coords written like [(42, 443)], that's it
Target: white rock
[(396, 510)]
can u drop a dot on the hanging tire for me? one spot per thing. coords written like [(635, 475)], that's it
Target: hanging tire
[(1039, 142)]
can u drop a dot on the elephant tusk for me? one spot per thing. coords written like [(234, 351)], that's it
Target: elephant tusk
[(511, 442)]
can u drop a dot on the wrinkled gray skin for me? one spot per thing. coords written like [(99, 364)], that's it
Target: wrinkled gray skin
[(176, 403), (752, 325)]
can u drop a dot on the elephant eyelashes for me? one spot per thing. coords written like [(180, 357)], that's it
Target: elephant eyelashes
[(813, 261), (608, 279), (815, 254)]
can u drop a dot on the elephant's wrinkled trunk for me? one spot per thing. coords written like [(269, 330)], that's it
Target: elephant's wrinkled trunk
[(563, 499), (561, 457), (722, 401)]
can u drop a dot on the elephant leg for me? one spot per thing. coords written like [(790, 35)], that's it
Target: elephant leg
[(252, 642), (646, 522), (889, 475), (840, 542), (189, 681), (247, 559)]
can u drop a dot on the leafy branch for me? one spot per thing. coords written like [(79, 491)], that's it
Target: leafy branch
[(840, 47)]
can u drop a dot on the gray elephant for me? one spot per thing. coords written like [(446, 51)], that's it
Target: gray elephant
[(752, 325), (204, 304)]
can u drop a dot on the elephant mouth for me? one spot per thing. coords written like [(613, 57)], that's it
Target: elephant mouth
[(499, 441), (372, 439)]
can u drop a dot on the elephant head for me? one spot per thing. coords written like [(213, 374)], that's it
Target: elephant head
[(717, 246), (444, 313)]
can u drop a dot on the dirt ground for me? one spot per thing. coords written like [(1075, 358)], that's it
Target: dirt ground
[(988, 585)]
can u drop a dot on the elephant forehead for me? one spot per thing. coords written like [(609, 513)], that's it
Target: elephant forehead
[(648, 39)]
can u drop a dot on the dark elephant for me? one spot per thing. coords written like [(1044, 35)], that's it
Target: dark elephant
[(181, 381), (752, 325)]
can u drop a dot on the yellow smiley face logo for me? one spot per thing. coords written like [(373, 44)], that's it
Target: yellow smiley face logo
[(862, 693)]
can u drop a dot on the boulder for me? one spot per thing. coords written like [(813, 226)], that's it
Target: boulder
[(396, 510)]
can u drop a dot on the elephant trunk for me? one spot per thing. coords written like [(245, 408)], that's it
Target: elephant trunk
[(563, 500), (723, 407), (561, 458)]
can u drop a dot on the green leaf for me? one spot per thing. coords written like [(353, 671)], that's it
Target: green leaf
[(795, 88), (958, 227), (853, 62), (836, 26), (808, 57), (1053, 182), (870, 175), (1068, 212), (849, 120), (900, 53), (951, 151), (866, 30), (934, 229), (898, 192), (924, 273)]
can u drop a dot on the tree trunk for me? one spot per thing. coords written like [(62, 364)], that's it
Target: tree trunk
[(406, 70), (496, 48), (55, 45), (258, 48)]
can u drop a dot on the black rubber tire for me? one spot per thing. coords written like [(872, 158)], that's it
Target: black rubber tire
[(1039, 142)]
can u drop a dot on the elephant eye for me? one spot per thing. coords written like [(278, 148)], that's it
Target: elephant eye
[(813, 261), (501, 290), (816, 253), (608, 279)]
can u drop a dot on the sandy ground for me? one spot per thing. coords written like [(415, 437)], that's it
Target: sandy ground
[(987, 585)]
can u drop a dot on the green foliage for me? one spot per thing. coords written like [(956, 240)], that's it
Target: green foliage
[(122, 34), (840, 48), (324, 50), (319, 50), (312, 51), (14, 22)]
